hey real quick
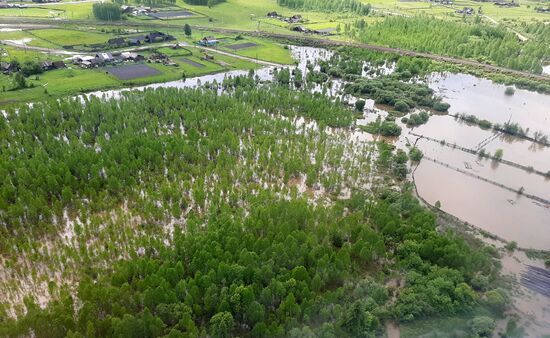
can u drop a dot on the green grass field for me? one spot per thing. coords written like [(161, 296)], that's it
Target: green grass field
[(65, 37), (264, 50), (34, 12), (21, 54)]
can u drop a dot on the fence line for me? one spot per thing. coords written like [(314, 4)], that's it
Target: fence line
[(473, 152), (500, 185)]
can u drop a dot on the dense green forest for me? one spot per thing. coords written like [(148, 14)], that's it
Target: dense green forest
[(249, 252), (468, 40), (62, 161), (339, 6)]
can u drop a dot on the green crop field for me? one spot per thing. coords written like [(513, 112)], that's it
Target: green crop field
[(264, 50), (70, 37)]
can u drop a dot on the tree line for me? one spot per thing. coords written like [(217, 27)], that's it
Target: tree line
[(353, 6), (472, 40), (107, 11)]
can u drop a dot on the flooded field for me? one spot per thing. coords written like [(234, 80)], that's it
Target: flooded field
[(498, 210), (506, 214), (487, 100)]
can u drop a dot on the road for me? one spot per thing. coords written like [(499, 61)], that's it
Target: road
[(301, 39), (518, 34)]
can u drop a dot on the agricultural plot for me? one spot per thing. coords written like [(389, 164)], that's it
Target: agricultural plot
[(259, 49), (192, 63), (71, 37), (242, 45), (131, 72), (172, 15)]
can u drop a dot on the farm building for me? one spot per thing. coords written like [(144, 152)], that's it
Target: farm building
[(117, 42), (136, 40), (209, 41), (324, 31), (8, 68), (158, 37), (129, 56), (104, 58)]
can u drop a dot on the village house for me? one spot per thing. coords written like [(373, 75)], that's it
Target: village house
[(158, 37), (52, 65), (294, 19), (84, 61), (117, 42)]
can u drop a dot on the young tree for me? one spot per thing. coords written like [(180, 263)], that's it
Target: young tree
[(360, 105), (19, 81), (187, 30), (221, 325)]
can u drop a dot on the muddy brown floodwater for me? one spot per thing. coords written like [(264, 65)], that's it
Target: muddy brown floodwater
[(486, 99), (504, 213)]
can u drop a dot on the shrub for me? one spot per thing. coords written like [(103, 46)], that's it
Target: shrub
[(441, 106), (388, 128), (509, 91), (402, 106), (360, 105), (484, 124), (482, 326), (415, 154)]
